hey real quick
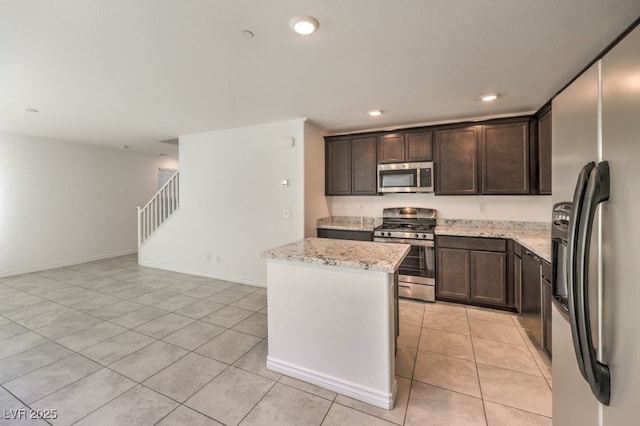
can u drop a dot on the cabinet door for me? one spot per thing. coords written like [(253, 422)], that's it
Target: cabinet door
[(364, 166), (505, 158), (517, 282), (546, 316), (391, 148), (338, 167), (457, 161), (489, 277), (345, 234), (418, 146), (531, 317), (453, 273), (544, 154)]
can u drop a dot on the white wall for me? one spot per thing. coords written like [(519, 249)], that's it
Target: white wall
[(316, 205), (63, 203), (534, 208), (231, 203)]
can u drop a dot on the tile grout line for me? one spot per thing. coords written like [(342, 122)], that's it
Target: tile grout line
[(475, 361), (258, 402)]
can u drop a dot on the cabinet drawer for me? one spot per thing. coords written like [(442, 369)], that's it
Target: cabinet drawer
[(471, 243)]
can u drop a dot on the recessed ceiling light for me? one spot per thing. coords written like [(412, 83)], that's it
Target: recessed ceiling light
[(29, 110), (489, 97), (163, 155), (375, 113), (246, 34), (304, 25)]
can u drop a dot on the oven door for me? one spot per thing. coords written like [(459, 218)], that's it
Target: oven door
[(416, 275), (418, 265)]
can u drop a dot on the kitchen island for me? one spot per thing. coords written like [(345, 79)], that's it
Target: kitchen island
[(332, 315)]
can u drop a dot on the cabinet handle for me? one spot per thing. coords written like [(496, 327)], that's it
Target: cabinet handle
[(535, 257)]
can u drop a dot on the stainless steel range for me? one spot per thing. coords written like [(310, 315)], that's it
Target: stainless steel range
[(409, 225)]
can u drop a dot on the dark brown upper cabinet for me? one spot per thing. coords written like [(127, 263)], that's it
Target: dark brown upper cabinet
[(509, 156), (405, 147), (544, 154), (456, 161), (505, 159), (391, 148), (364, 166), (337, 167), (418, 146), (351, 166)]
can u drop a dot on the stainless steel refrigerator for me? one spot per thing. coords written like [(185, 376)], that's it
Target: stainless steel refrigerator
[(596, 171)]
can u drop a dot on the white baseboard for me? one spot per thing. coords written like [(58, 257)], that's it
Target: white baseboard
[(62, 264), (353, 390), (201, 274)]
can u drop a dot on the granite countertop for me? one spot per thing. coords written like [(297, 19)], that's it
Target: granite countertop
[(535, 236), (365, 255), (538, 241), (349, 223)]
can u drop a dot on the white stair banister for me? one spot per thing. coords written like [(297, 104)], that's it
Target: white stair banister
[(159, 208)]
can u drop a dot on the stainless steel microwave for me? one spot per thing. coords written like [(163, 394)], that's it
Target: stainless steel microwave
[(405, 177)]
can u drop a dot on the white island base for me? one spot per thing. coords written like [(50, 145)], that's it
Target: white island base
[(334, 327)]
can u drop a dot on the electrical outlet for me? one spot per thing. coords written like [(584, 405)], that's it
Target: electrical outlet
[(482, 207), (360, 206), (286, 213)]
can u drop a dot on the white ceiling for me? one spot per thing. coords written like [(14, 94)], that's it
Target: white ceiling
[(122, 72)]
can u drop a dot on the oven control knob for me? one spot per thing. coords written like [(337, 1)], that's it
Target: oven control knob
[(417, 236), (424, 235), (388, 234)]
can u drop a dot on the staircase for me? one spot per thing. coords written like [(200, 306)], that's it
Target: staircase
[(158, 209)]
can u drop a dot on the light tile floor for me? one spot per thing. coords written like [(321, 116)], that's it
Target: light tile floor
[(111, 343)]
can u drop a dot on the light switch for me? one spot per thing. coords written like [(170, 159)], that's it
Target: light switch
[(284, 182)]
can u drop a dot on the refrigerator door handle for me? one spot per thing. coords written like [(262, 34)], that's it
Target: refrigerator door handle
[(572, 241), (598, 374)]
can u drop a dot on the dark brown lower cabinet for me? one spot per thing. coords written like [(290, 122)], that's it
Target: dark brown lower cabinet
[(345, 234), (531, 315), (473, 270), (454, 278), (517, 277), (489, 277)]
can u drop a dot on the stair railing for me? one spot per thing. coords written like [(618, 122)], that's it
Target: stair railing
[(159, 208)]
